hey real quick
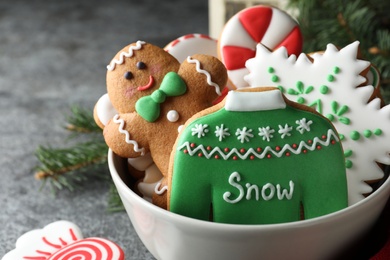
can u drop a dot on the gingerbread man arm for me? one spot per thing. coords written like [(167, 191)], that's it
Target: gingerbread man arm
[(123, 135)]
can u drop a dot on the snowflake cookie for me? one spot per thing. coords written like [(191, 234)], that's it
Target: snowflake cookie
[(332, 83)]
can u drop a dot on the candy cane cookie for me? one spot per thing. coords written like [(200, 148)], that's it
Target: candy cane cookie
[(258, 24)]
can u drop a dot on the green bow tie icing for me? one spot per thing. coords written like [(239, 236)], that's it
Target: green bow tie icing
[(148, 107)]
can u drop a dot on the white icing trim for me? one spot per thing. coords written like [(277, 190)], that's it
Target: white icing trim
[(254, 101), (163, 189), (121, 130), (206, 73), (263, 154), (123, 54)]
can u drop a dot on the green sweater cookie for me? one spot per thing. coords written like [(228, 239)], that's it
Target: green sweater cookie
[(257, 161)]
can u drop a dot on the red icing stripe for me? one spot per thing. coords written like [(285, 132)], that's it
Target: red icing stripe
[(188, 36), (50, 244), (235, 57), (256, 21), (35, 257), (293, 42), (72, 234), (89, 249), (175, 42), (205, 37)]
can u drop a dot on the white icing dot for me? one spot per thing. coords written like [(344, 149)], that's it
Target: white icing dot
[(172, 116), (180, 128)]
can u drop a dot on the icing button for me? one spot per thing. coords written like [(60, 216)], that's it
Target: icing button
[(172, 116)]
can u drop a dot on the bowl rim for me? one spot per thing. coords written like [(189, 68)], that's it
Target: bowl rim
[(170, 216)]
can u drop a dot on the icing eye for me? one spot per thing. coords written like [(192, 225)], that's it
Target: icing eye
[(141, 65), (128, 75)]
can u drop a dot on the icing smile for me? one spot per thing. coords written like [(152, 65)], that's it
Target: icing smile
[(147, 86)]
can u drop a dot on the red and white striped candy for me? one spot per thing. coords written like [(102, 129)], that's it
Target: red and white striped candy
[(93, 248), (62, 240), (258, 24)]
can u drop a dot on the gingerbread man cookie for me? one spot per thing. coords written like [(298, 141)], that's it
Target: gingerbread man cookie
[(151, 111)]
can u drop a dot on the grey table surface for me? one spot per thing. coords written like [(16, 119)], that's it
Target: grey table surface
[(53, 54)]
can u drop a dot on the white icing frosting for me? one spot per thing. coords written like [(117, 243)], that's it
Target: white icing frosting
[(160, 190), (266, 192), (173, 116), (191, 44), (105, 110), (121, 130), (254, 101), (329, 85), (206, 73), (124, 54)]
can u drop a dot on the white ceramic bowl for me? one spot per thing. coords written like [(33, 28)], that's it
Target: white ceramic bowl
[(171, 236)]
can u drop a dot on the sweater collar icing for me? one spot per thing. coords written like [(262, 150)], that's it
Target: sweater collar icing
[(254, 101)]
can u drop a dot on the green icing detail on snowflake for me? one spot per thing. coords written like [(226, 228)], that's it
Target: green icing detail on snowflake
[(377, 132), (299, 90), (317, 105), (274, 78), (324, 89), (339, 111), (336, 70), (355, 135), (330, 78), (367, 133), (348, 163)]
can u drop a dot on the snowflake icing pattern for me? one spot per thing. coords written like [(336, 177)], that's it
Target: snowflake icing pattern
[(285, 130), (221, 132), (200, 130), (244, 134), (266, 133), (303, 125), (338, 75)]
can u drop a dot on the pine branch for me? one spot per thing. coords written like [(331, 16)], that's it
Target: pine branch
[(57, 164), (341, 22), (81, 121)]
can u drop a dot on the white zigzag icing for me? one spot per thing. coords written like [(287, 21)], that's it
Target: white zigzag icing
[(121, 129), (331, 84), (123, 54), (268, 149), (206, 73)]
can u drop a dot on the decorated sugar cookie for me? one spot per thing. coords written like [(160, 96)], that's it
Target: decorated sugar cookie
[(191, 44), (154, 95), (258, 24), (255, 159), (329, 83), (63, 240)]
